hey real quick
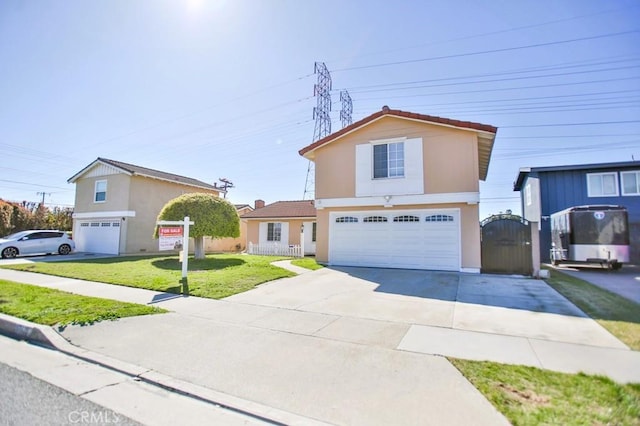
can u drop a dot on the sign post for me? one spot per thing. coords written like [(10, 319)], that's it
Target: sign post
[(185, 250), (174, 235)]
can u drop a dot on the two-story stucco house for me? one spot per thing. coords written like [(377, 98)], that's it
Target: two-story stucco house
[(117, 204), (401, 190)]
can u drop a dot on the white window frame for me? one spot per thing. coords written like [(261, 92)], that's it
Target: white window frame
[(389, 175), (633, 172), (527, 194), (276, 232), (590, 192), (96, 192)]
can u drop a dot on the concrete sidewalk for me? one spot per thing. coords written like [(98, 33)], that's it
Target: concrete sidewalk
[(341, 346), (219, 347), (121, 388)]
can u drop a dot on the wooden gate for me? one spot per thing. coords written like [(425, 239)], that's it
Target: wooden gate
[(506, 245)]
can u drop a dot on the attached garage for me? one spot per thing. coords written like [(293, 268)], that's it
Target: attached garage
[(98, 236), (411, 239)]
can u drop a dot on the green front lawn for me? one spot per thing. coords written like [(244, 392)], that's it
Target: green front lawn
[(617, 314), (215, 277), (50, 307), (531, 396)]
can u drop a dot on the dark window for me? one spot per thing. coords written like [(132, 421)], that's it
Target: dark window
[(274, 231), (388, 160), (370, 219), (406, 218), (346, 219), (101, 191), (439, 218), (313, 233)]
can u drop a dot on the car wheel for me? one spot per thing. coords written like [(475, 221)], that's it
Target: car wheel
[(9, 253), (64, 249)]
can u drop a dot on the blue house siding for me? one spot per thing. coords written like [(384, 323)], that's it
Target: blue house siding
[(566, 186)]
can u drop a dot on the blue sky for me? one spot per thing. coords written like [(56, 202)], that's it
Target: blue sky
[(212, 89)]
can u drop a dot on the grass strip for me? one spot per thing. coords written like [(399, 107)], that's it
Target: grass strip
[(54, 307), (620, 316), (531, 396)]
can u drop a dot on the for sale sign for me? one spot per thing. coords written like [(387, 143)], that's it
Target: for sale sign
[(170, 237)]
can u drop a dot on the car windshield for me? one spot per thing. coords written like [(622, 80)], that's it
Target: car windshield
[(16, 236)]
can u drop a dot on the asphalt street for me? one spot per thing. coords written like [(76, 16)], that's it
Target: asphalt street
[(26, 400)]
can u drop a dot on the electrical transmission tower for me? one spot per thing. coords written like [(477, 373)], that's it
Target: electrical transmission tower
[(347, 108), (322, 92)]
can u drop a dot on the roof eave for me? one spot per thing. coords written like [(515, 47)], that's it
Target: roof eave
[(77, 176)]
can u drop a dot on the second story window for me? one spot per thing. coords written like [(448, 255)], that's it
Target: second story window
[(602, 184), (630, 183), (388, 160), (100, 195)]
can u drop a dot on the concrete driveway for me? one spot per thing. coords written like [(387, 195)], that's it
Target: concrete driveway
[(494, 304)]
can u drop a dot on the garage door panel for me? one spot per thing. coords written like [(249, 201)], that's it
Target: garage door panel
[(432, 242), (98, 236)]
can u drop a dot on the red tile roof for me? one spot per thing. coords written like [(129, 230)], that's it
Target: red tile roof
[(403, 114), (283, 209)]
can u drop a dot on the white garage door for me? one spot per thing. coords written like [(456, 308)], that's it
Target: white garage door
[(98, 236), (412, 239)]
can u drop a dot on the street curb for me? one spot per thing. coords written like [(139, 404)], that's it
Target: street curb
[(42, 335)]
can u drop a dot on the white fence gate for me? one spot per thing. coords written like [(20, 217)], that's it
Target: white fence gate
[(275, 250)]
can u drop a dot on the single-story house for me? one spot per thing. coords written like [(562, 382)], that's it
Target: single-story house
[(283, 223), (117, 205), (217, 245), (548, 190), (401, 190)]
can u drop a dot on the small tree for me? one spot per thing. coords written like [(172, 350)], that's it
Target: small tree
[(212, 216)]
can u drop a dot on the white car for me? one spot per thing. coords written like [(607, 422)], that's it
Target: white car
[(36, 242)]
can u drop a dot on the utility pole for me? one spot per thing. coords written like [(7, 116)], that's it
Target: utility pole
[(43, 194), (226, 183), (321, 90)]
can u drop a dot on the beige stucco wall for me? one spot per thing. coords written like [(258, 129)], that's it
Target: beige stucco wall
[(147, 197), (469, 230), (117, 194), (450, 157)]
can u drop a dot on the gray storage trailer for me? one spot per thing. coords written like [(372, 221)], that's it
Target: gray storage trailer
[(590, 234)]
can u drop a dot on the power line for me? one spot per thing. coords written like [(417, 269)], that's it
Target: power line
[(502, 89), (484, 52), (476, 36), (572, 124), (496, 80), (517, 71)]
